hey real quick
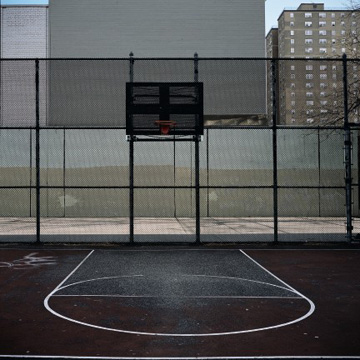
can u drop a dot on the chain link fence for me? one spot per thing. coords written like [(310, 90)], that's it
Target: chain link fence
[(278, 161)]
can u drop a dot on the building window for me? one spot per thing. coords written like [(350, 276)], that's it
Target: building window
[(292, 41), (292, 50), (322, 32), (308, 15), (292, 23), (309, 94), (308, 41), (292, 67), (308, 23), (322, 15), (309, 76), (322, 41), (334, 67), (309, 50), (291, 15), (322, 23), (309, 120), (309, 103), (323, 85), (309, 85), (323, 67), (292, 76), (333, 41), (293, 103), (309, 67), (308, 32), (323, 76), (322, 93), (343, 32), (333, 15), (333, 32), (322, 50), (323, 102), (292, 32)]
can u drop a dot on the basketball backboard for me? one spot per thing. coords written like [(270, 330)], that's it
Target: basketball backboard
[(161, 108)]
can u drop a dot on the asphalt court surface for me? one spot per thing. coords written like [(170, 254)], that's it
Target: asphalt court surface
[(179, 302)]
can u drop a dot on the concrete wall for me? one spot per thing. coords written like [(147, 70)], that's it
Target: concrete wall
[(235, 158), (157, 28)]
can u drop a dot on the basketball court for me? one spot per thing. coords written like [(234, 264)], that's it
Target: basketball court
[(179, 302)]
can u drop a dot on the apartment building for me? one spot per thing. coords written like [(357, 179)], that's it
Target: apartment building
[(310, 91)]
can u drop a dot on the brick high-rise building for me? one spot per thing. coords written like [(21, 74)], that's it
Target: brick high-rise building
[(309, 91)]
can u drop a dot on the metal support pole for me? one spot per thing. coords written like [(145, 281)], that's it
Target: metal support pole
[(274, 143), (131, 192), (197, 163), (197, 188), (131, 164), (37, 149), (196, 67), (347, 154), (131, 69)]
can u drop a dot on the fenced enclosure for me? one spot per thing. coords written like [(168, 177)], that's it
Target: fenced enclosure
[(278, 160)]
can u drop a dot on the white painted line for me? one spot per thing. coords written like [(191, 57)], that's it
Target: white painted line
[(312, 305), (46, 301), (286, 288), (185, 297)]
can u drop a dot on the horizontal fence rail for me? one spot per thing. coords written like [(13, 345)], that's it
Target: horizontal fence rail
[(278, 161)]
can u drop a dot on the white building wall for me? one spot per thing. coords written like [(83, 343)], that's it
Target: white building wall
[(24, 31), (23, 37)]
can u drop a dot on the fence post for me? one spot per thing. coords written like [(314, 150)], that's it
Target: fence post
[(131, 165), (274, 143), (196, 67), (347, 154), (37, 149), (131, 68)]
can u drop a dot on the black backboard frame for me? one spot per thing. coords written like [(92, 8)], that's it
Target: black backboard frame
[(154, 101)]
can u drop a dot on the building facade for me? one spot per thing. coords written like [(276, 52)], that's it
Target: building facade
[(310, 92), (24, 31), (24, 37)]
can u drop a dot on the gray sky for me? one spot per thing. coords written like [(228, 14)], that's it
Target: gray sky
[(273, 8)]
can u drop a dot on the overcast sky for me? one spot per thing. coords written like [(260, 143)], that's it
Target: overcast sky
[(273, 8)]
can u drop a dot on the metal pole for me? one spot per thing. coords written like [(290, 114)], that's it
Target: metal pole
[(347, 154), (131, 70), (196, 67), (131, 164), (197, 188), (131, 193), (37, 150), (197, 163), (274, 143)]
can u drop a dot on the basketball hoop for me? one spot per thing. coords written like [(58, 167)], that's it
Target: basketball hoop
[(165, 126)]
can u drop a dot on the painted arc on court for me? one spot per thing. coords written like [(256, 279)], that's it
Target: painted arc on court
[(182, 305)]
